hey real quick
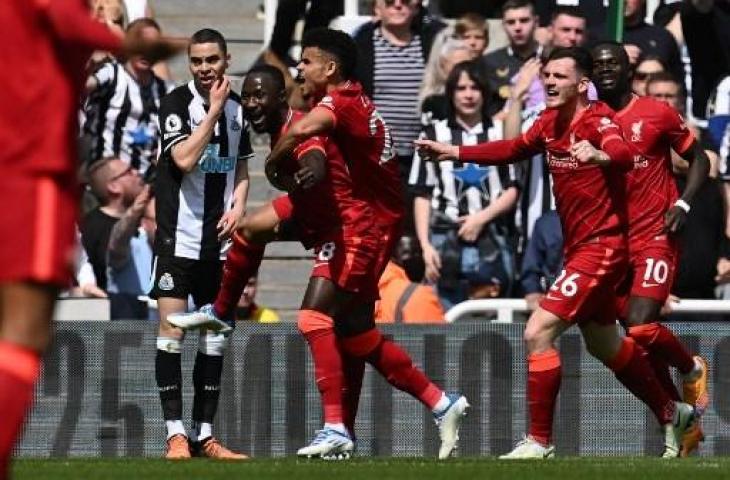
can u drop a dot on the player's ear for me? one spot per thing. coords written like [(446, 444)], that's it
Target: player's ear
[(331, 68), (583, 84), (228, 60)]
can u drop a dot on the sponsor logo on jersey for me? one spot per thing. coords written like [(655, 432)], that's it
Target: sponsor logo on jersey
[(606, 123), (173, 123), (636, 131), (166, 283), (211, 162), (640, 161), (568, 162)]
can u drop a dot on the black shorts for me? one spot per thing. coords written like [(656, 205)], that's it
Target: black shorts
[(176, 277)]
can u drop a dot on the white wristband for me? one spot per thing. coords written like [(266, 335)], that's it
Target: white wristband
[(682, 204)]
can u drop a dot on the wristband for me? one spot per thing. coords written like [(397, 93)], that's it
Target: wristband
[(682, 204)]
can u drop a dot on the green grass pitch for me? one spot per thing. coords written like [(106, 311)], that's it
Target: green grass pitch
[(585, 468)]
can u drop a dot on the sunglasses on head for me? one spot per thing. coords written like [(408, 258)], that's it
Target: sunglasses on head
[(405, 3), (643, 75)]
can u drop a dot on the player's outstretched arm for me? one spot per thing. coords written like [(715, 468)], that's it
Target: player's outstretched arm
[(319, 120), (73, 26), (498, 152), (430, 150), (699, 168)]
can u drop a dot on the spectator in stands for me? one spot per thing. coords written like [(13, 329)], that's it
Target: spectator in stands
[(519, 21), (404, 301), (703, 261), (288, 12), (706, 28), (646, 67), (85, 280), (432, 98), (643, 39), (595, 13), (122, 107), (112, 13), (718, 127), (568, 27), (462, 210), (129, 258), (392, 54), (473, 30), (247, 308), (115, 184), (543, 258)]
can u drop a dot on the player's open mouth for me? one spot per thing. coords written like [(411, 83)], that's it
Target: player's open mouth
[(552, 93)]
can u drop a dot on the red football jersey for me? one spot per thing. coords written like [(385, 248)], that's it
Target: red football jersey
[(330, 205), (365, 142), (589, 198), (653, 128), (46, 44)]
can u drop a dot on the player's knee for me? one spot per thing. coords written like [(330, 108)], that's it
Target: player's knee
[(536, 337), (642, 313), (309, 321), (167, 330), (213, 343), (363, 344), (168, 344)]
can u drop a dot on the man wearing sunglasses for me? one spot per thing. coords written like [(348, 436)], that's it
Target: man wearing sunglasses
[(116, 184)]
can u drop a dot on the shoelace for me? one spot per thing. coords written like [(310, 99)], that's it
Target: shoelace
[(213, 446), (320, 436)]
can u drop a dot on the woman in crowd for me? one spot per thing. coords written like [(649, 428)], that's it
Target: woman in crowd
[(462, 210)]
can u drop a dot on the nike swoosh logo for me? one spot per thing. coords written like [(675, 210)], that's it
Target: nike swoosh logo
[(550, 297), (649, 285)]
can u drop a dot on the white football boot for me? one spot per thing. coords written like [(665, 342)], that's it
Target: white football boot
[(527, 448), (328, 444), (449, 421), (205, 317)]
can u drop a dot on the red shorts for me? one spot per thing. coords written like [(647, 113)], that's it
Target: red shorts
[(355, 263), (652, 267), (586, 288), (37, 228)]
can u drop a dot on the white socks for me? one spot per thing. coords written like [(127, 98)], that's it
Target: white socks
[(175, 427), (442, 404)]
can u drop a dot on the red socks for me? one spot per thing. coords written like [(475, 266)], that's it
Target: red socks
[(319, 331), (242, 262), (394, 364), (632, 369), (353, 369), (543, 384), (19, 368), (658, 340), (661, 370)]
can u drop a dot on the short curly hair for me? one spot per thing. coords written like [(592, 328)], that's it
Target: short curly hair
[(336, 43)]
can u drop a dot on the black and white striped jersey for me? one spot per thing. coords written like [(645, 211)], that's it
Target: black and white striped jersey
[(121, 116), (536, 194), (398, 74), (460, 188), (190, 205)]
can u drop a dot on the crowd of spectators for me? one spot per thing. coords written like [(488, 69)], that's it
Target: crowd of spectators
[(471, 231)]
